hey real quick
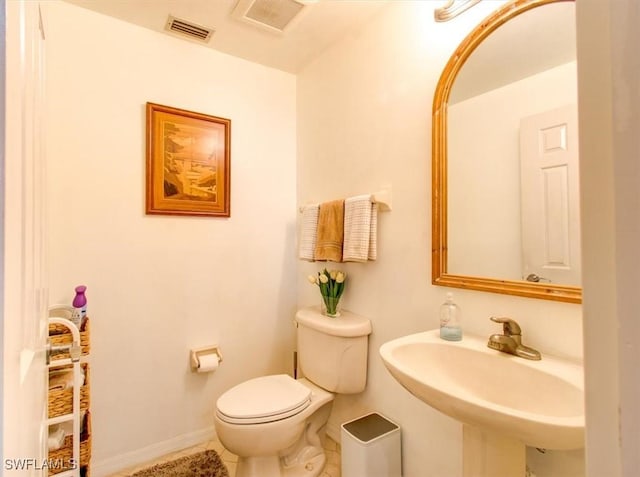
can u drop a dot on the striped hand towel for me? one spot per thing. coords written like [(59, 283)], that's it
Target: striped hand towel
[(360, 229), (373, 236), (308, 232)]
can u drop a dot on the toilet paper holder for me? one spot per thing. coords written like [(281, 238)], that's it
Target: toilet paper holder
[(196, 353)]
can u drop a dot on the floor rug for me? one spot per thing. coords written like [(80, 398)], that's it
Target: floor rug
[(201, 464)]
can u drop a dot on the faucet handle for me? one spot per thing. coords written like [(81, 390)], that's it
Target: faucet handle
[(509, 326)]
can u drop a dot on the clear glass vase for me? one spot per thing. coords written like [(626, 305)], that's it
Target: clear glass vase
[(330, 306)]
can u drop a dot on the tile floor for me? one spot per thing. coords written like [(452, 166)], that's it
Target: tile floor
[(332, 449)]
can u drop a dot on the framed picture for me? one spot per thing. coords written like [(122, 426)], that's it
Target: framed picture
[(188, 163)]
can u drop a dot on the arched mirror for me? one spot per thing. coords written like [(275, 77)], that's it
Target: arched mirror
[(505, 156)]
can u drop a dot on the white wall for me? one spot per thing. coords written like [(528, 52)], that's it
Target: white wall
[(489, 149), (364, 120), (159, 285), (626, 110), (608, 78)]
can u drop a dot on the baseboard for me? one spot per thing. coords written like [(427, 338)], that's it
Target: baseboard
[(106, 467)]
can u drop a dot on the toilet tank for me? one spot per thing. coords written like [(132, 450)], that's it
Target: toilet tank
[(332, 352)]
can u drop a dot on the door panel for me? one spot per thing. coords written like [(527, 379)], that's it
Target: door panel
[(550, 196), (25, 284)]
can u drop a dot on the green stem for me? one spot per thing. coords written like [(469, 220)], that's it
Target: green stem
[(331, 303)]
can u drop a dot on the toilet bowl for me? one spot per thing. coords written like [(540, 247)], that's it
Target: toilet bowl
[(275, 424)]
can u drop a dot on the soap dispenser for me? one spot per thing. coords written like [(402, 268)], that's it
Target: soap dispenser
[(450, 326)]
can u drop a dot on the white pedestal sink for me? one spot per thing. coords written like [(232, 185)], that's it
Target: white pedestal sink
[(505, 402)]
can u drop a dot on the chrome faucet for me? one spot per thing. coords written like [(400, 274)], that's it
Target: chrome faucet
[(511, 340)]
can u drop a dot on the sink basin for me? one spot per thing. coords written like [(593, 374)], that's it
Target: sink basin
[(540, 403)]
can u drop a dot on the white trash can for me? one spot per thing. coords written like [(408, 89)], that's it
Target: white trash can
[(371, 447)]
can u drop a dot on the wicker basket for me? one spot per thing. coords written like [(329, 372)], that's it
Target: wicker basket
[(61, 401), (60, 334), (64, 455)]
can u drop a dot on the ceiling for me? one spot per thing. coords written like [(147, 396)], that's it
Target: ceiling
[(519, 44), (319, 24)]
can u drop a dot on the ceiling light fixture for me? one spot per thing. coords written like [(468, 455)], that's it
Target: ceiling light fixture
[(452, 9)]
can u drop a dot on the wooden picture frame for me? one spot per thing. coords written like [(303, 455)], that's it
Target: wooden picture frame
[(188, 163)]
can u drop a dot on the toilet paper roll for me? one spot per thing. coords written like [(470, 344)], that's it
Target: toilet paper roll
[(208, 363)]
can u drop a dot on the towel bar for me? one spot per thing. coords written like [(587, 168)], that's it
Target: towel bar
[(382, 198)]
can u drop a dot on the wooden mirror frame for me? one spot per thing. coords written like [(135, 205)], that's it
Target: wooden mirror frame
[(546, 291)]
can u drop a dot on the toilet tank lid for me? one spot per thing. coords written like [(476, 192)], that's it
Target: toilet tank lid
[(348, 325)]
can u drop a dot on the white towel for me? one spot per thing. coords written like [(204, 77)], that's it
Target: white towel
[(360, 229), (60, 380), (309, 232), (373, 236), (56, 437)]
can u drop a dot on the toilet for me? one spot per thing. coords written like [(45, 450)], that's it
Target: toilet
[(274, 424)]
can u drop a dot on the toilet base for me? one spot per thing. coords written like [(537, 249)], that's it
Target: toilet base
[(268, 466), (309, 463)]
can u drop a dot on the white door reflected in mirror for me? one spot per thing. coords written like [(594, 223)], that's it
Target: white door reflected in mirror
[(550, 196)]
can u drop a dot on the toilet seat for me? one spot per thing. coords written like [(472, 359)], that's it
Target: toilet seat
[(264, 399)]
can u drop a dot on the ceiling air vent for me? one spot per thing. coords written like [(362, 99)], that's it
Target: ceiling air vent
[(188, 29), (271, 15)]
